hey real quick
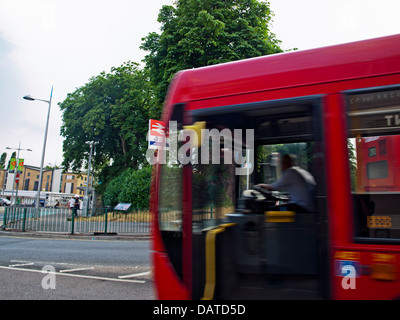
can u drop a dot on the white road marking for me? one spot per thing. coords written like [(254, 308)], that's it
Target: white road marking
[(134, 275), (22, 264), (73, 275), (77, 269), (46, 262)]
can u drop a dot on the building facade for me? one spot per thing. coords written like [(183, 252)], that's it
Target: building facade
[(3, 175), (54, 180), (72, 181)]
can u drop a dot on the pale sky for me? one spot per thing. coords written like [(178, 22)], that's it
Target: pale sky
[(65, 42)]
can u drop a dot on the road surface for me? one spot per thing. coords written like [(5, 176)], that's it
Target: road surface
[(74, 269)]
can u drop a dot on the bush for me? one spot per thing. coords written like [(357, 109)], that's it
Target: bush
[(132, 186)]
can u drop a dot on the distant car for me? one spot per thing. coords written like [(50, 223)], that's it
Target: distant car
[(4, 202)]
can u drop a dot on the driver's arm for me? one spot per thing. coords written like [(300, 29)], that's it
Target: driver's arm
[(284, 181), (266, 186)]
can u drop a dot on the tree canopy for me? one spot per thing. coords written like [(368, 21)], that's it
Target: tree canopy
[(112, 109), (197, 33), (132, 186)]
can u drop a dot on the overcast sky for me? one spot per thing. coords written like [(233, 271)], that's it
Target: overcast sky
[(66, 42)]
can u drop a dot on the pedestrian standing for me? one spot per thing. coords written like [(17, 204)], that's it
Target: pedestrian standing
[(71, 204), (76, 206)]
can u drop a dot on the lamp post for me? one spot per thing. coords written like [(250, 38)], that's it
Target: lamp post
[(16, 171), (92, 144), (44, 147)]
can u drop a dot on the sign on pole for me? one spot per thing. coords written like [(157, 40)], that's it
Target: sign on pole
[(13, 164), (158, 135)]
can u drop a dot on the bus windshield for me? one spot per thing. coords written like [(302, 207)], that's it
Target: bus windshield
[(287, 127)]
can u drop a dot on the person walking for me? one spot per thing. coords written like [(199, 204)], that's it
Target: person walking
[(76, 206)]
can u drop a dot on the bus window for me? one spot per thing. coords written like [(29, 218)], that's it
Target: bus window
[(213, 183), (170, 205), (213, 188), (269, 159), (374, 153), (279, 127), (170, 201)]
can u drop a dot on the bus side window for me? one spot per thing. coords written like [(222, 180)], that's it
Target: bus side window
[(374, 155)]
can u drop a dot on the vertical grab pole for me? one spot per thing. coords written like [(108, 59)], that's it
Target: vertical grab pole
[(210, 267)]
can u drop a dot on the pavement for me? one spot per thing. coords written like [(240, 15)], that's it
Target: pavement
[(59, 235)]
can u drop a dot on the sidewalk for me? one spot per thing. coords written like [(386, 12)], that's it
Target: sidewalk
[(78, 236), (59, 222)]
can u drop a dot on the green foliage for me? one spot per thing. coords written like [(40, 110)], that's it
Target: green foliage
[(3, 160), (132, 186), (197, 33), (171, 198), (352, 162), (112, 109)]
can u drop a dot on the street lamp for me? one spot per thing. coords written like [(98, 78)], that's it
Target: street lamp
[(29, 98), (16, 171), (86, 197)]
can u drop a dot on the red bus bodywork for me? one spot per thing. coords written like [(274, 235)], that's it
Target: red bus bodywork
[(328, 72)]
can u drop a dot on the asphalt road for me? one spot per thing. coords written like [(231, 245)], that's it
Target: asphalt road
[(64, 269)]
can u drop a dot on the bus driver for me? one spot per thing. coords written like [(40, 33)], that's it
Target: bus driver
[(299, 183)]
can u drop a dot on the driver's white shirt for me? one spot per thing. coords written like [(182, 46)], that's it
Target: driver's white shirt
[(297, 182)]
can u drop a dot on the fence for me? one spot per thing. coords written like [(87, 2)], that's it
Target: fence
[(102, 221)]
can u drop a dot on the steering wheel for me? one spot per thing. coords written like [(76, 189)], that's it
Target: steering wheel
[(273, 195), (265, 192)]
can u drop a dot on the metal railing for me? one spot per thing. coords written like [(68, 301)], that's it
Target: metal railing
[(99, 221)]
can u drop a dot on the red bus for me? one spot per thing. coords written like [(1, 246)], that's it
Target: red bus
[(378, 162), (335, 108)]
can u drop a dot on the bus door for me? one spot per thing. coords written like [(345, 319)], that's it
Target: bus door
[(246, 244)]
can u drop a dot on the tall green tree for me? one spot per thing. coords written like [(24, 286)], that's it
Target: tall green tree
[(112, 109), (197, 33), (132, 186)]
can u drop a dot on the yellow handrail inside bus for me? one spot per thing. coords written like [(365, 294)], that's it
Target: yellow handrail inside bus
[(280, 216), (209, 287), (197, 127)]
